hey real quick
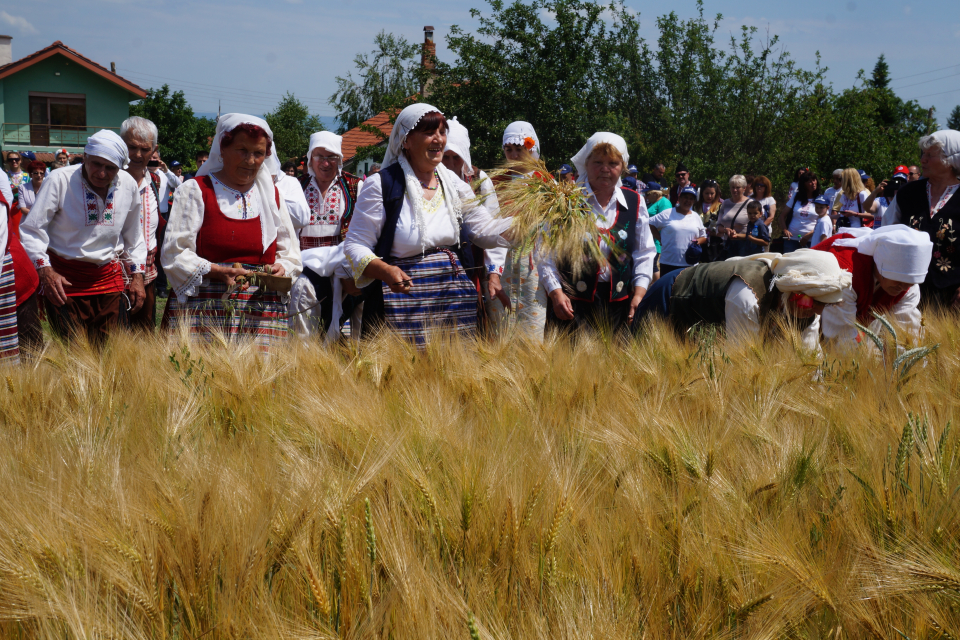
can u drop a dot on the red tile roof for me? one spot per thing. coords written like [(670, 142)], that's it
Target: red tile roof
[(62, 49), (355, 138)]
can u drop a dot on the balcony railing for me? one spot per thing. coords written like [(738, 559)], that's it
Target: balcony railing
[(24, 134)]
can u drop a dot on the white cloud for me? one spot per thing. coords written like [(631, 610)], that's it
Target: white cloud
[(17, 22)]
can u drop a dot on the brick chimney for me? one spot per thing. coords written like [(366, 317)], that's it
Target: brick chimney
[(6, 50), (427, 56)]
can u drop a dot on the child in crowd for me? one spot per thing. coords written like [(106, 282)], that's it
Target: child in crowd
[(824, 228), (755, 237)]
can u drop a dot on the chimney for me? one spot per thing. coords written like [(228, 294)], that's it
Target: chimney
[(6, 50), (113, 67), (427, 58)]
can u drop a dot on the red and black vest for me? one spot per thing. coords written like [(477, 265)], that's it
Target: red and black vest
[(943, 229), (622, 235), (225, 240), (869, 296)]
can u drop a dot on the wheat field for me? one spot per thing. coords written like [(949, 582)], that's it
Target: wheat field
[(662, 489)]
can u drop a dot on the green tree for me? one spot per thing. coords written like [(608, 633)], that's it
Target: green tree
[(386, 76), (176, 124), (880, 78), (953, 122), (292, 124)]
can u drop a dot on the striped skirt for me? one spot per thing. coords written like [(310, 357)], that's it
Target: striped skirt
[(253, 314), (441, 297), (9, 339)]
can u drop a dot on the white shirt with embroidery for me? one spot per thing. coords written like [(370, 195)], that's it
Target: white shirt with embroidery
[(149, 213), (644, 251), (71, 220), (326, 210)]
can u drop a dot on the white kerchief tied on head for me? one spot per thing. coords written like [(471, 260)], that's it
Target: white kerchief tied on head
[(330, 142), (458, 141), (899, 252), (273, 162), (950, 140), (580, 160), (814, 273), (520, 132), (109, 146), (406, 121), (270, 221)]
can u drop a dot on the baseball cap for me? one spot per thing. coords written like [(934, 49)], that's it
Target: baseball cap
[(822, 199), (175, 163), (863, 175), (902, 168), (689, 190), (651, 186), (565, 169), (632, 168)]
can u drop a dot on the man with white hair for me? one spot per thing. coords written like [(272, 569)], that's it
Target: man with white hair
[(931, 205), (830, 193), (83, 230), (140, 136), (317, 296)]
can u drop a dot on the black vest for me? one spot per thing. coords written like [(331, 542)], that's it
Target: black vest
[(623, 235), (699, 292), (943, 229)]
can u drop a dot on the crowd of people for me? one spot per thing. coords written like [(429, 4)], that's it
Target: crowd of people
[(247, 247)]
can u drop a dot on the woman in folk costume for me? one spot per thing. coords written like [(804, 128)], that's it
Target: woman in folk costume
[(746, 295), (517, 269), (231, 214), (456, 157), (19, 311), (406, 230), (605, 295), (887, 266), (317, 302)]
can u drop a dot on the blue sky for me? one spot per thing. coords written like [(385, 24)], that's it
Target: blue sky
[(247, 54)]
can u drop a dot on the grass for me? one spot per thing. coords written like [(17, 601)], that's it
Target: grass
[(491, 490)]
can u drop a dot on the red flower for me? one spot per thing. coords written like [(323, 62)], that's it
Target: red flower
[(529, 143)]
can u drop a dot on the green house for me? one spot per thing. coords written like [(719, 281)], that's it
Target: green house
[(55, 98)]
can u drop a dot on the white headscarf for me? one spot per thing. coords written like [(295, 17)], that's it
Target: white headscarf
[(814, 273), (580, 160), (273, 162), (458, 141), (270, 219), (406, 121), (950, 141), (109, 146), (900, 253), (325, 140), (518, 132)]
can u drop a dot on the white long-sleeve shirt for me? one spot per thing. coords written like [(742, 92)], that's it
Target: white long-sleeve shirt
[(71, 220), (292, 193), (644, 251), (839, 319), (184, 268), (439, 230), (168, 184), (742, 317)]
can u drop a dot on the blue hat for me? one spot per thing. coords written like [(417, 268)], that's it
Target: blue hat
[(630, 182), (632, 168), (693, 253), (652, 186), (565, 169), (29, 155), (863, 175), (822, 199), (689, 190), (175, 163)]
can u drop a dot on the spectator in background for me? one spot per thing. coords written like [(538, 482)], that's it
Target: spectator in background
[(75, 160), (168, 181), (708, 204), (199, 158), (914, 173), (800, 212), (177, 169), (16, 173), (796, 181), (885, 193), (290, 168), (732, 217), (763, 193), (683, 181), (850, 201), (656, 175), (630, 180), (62, 159), (677, 229), (824, 226), (656, 203), (374, 169), (566, 173), (29, 189), (750, 180), (755, 237), (830, 193)]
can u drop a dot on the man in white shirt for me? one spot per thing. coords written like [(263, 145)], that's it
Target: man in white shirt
[(168, 181), (85, 217), (140, 136)]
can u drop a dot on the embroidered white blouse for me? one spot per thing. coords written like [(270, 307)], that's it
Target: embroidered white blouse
[(71, 220), (644, 251), (324, 210), (149, 213), (184, 268), (369, 215)]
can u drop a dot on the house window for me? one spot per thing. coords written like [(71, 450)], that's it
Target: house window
[(61, 116)]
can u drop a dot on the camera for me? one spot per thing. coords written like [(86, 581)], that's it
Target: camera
[(153, 163), (893, 185)]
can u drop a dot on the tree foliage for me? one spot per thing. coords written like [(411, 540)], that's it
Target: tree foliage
[(181, 134), (736, 105), (292, 124), (953, 122), (386, 76)]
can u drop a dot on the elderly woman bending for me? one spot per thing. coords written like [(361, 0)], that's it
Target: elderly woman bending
[(230, 222), (605, 295), (406, 233)]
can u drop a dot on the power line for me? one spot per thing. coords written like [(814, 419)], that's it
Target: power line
[(936, 94), (923, 73), (926, 81)]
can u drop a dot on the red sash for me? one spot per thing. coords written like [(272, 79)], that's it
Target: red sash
[(86, 278), (25, 277), (869, 297)]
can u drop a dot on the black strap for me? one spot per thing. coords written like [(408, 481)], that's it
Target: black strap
[(393, 187)]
